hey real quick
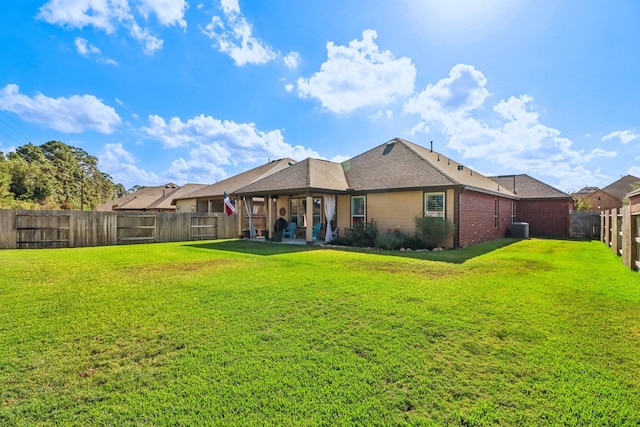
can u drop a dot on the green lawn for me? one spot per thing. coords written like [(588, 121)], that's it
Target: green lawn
[(533, 332)]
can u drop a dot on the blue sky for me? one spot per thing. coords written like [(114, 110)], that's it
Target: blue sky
[(196, 91)]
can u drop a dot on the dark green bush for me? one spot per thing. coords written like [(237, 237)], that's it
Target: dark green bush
[(364, 234), (433, 231)]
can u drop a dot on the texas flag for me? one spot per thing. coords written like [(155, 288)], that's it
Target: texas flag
[(228, 206)]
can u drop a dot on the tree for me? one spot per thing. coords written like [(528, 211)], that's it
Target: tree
[(583, 205), (54, 176)]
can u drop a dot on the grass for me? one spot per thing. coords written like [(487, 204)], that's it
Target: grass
[(534, 332)]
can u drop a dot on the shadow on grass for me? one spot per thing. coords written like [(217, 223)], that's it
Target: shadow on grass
[(454, 256), (253, 247)]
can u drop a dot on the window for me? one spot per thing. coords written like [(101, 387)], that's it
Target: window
[(434, 205), (298, 211), (513, 212), (358, 210), (495, 215)]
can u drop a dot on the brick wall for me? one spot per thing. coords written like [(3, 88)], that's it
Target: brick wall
[(477, 217), (601, 201), (546, 217)]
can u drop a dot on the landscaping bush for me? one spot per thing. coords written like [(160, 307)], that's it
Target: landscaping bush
[(389, 241), (361, 235), (433, 231)]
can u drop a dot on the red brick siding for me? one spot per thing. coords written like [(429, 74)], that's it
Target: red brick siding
[(546, 217), (476, 217)]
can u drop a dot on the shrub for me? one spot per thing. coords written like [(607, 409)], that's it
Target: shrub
[(433, 231), (389, 241), (364, 234), (361, 235)]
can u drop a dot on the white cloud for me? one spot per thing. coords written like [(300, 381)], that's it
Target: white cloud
[(75, 114), (121, 165), (292, 60), (88, 50), (214, 143), (232, 35), (85, 48), (168, 12), (381, 114), (453, 97), (634, 170), (339, 158), (625, 136), (109, 15), (421, 127), (359, 75), (288, 87), (515, 139), (150, 42)]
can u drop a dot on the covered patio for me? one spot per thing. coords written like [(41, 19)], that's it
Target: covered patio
[(304, 194)]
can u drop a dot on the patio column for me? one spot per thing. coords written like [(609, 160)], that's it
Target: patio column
[(239, 213), (269, 205), (309, 213)]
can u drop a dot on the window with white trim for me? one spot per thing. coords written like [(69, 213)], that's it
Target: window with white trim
[(358, 210), (496, 214), (513, 212), (434, 205)]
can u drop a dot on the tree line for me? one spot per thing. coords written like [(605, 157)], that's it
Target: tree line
[(54, 175)]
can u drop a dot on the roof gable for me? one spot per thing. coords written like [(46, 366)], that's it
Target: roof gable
[(307, 175), (144, 198), (621, 187), (527, 187), (400, 164)]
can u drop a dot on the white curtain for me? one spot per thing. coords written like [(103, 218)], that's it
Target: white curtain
[(248, 205), (329, 211)]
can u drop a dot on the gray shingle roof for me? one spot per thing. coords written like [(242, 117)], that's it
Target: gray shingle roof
[(230, 185), (400, 164), (526, 187), (302, 177), (621, 187), (395, 165), (149, 198)]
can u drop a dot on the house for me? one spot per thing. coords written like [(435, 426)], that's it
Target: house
[(634, 202), (399, 180), (546, 209), (610, 197), (150, 199), (210, 198)]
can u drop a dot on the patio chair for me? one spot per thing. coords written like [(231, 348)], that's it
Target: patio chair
[(290, 230), (316, 231)]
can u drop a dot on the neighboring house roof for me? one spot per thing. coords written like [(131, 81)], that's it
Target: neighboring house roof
[(621, 187), (149, 198), (585, 191), (230, 185), (526, 187), (307, 175), (395, 165), (165, 202)]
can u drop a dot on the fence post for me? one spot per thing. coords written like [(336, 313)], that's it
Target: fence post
[(627, 238)]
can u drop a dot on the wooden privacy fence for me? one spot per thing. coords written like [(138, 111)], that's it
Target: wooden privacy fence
[(621, 232), (25, 229)]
